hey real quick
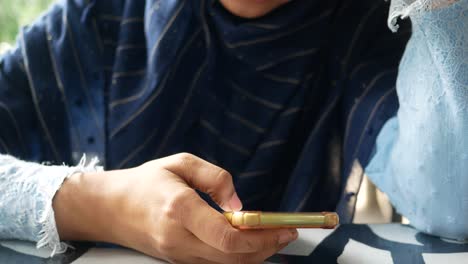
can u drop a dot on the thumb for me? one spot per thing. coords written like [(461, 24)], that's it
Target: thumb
[(206, 177)]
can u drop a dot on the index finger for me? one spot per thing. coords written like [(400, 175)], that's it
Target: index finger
[(205, 177), (212, 228)]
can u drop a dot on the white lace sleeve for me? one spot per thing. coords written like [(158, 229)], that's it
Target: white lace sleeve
[(26, 193), (406, 8)]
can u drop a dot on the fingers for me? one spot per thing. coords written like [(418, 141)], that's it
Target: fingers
[(208, 225), (213, 255), (212, 228), (196, 233), (205, 177), (201, 253)]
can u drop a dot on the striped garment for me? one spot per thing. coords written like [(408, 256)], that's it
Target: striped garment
[(290, 103)]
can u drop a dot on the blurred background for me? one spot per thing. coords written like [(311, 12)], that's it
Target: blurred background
[(16, 13)]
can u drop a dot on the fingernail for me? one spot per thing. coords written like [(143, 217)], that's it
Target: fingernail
[(235, 203), (287, 236)]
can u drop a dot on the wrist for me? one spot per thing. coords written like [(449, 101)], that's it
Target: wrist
[(81, 206)]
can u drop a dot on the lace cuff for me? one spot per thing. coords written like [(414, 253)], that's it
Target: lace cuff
[(27, 190), (406, 8)]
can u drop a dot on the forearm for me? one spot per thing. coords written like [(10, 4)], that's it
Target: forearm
[(76, 207), (94, 206)]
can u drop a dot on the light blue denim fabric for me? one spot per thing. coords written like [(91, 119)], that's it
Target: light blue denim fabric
[(26, 206), (421, 158)]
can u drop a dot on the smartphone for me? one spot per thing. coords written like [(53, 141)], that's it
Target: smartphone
[(269, 220)]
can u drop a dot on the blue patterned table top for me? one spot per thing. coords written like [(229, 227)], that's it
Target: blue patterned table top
[(388, 243)]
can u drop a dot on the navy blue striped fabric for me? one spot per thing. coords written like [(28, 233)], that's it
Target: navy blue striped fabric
[(289, 103)]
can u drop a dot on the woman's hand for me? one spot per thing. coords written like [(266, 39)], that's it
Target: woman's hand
[(154, 209)]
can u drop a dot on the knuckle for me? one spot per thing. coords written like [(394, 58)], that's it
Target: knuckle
[(186, 162), (253, 245), (165, 246), (185, 158), (243, 259), (227, 242), (177, 204), (266, 244), (223, 178)]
